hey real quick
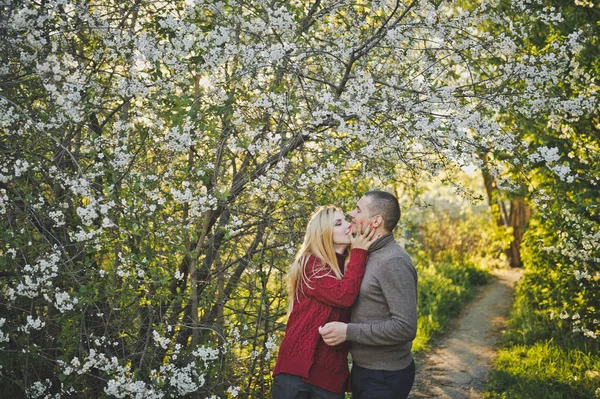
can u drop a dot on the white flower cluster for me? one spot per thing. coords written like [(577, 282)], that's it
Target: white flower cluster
[(200, 201), (21, 167), (186, 195), (32, 324), (87, 214), (579, 244), (178, 139), (82, 235), (123, 383), (185, 379), (582, 275), (234, 225), (78, 186), (58, 217), (206, 354), (552, 158), (4, 174), (3, 201), (178, 275), (576, 323), (121, 159), (38, 388), (123, 386), (181, 138), (64, 302), (37, 279), (162, 341), (21, 20), (271, 347), (3, 336), (233, 391)]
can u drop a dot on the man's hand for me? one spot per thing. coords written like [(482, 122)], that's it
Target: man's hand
[(334, 333)]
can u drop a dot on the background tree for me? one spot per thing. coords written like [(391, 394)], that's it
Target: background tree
[(559, 172), (159, 162)]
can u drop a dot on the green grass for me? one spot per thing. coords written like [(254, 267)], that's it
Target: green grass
[(444, 289), (541, 360)]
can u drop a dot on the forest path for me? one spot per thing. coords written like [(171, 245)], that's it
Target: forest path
[(458, 365)]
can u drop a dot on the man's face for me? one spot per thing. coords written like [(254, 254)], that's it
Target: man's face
[(361, 214)]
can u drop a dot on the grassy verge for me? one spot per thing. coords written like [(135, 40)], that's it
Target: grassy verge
[(540, 360), (444, 288)]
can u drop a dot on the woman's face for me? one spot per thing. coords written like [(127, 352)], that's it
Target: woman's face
[(341, 229)]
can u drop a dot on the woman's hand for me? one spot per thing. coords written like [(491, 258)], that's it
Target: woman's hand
[(365, 239)]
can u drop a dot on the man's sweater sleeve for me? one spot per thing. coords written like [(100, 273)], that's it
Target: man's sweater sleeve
[(399, 287)]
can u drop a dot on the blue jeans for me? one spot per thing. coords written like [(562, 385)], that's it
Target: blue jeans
[(382, 384)]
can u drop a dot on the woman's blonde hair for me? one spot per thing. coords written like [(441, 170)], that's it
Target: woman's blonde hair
[(318, 241)]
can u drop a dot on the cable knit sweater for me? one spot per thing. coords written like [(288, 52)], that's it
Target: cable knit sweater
[(384, 316), (302, 351)]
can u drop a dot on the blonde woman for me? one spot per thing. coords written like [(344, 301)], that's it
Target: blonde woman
[(321, 287)]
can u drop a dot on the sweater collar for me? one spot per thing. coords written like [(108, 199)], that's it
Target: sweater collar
[(381, 242)]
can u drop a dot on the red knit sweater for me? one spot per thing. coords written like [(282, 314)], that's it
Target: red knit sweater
[(302, 351)]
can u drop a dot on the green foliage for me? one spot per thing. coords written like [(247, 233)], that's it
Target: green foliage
[(454, 225), (541, 355), (560, 282), (561, 246), (541, 359), (444, 289), (454, 242), (158, 165)]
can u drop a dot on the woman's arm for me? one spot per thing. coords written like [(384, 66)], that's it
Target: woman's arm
[(325, 288)]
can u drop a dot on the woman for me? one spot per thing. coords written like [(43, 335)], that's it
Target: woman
[(320, 291)]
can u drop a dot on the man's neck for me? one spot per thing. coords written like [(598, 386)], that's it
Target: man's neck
[(380, 242)]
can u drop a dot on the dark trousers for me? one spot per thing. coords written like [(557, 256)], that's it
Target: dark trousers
[(382, 384), (287, 386)]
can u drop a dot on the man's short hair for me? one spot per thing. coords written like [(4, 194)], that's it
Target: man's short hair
[(384, 204)]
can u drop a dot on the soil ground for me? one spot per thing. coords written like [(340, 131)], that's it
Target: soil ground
[(458, 364)]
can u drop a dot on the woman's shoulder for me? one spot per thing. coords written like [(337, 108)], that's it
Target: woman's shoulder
[(314, 261), (316, 268)]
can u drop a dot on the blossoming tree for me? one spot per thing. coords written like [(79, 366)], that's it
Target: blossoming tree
[(159, 160)]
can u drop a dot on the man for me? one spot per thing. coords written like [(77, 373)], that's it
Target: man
[(383, 322)]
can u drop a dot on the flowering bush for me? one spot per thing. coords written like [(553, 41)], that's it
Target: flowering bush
[(159, 160)]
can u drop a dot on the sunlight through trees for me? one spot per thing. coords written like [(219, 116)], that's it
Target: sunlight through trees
[(158, 161)]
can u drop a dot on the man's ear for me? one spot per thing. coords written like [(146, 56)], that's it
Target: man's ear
[(378, 221)]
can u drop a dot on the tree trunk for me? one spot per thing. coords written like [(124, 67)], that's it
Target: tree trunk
[(520, 213), (517, 217)]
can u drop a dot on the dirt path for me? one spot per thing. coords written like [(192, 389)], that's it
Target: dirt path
[(458, 365)]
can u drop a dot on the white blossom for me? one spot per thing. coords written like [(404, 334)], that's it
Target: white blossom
[(162, 341), (3, 201), (3, 336), (233, 391), (87, 214), (38, 388), (21, 167), (65, 302), (32, 324)]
